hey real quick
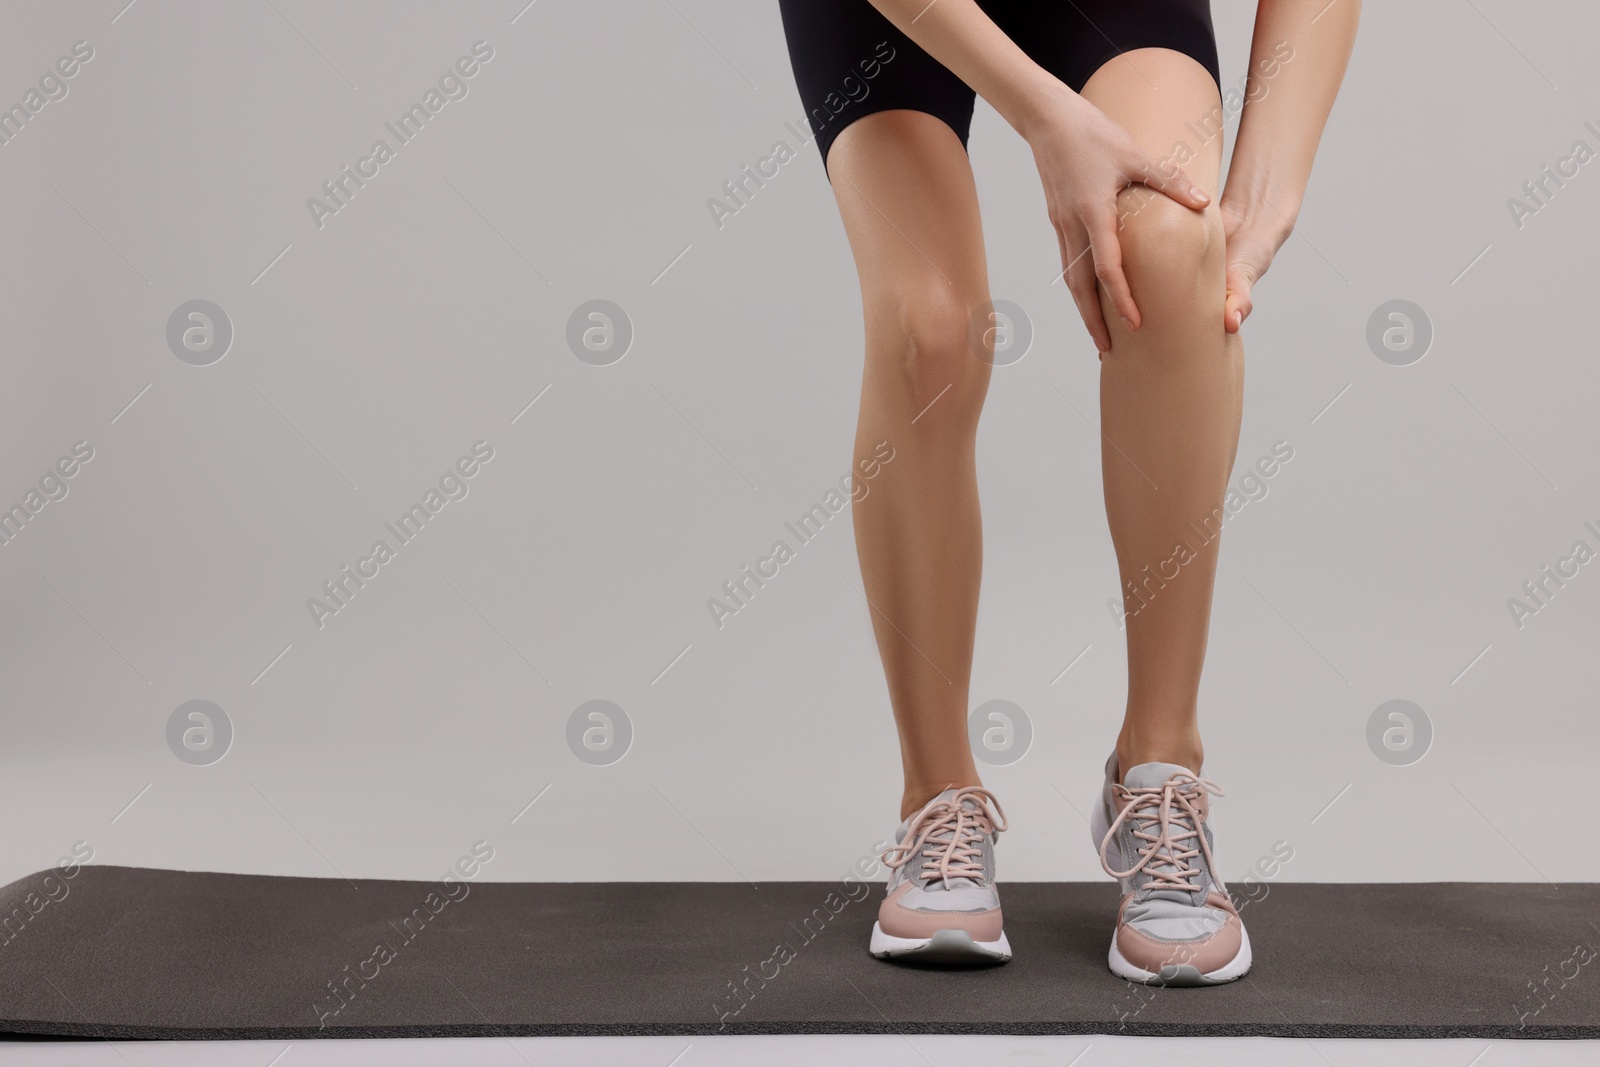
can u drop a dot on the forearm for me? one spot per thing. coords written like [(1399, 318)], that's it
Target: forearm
[(967, 42), (1287, 104)]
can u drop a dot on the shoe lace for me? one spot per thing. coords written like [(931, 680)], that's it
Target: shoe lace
[(949, 837), (1166, 820)]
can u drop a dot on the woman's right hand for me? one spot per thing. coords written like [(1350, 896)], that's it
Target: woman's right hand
[(1085, 159)]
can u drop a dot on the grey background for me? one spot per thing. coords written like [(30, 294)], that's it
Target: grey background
[(369, 355)]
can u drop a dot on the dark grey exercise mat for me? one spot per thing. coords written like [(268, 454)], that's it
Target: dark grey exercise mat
[(130, 952)]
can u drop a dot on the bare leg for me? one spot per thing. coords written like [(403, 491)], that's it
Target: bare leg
[(906, 195), (1170, 404)]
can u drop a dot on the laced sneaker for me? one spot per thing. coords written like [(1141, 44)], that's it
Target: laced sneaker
[(942, 905), (1176, 925)]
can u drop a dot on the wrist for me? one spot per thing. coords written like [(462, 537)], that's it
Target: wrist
[(1252, 201), (1040, 102)]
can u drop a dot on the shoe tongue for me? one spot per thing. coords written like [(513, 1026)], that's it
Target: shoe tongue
[(928, 879), (1154, 776)]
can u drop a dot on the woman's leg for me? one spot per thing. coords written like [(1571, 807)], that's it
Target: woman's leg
[(1170, 403), (906, 195)]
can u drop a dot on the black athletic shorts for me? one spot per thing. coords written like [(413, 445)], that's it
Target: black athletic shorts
[(850, 61)]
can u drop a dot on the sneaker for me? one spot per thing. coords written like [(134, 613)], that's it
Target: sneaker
[(946, 908), (1177, 925)]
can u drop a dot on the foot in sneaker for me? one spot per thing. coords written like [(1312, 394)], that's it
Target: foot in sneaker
[(1176, 925), (942, 905)]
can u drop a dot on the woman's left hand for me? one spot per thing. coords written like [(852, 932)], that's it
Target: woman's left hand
[(1251, 243)]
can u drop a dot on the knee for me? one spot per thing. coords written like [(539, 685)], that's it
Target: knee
[(935, 351), (1170, 254)]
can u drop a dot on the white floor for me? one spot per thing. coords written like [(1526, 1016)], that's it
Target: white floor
[(918, 1051)]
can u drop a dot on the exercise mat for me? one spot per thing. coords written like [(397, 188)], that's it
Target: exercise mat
[(137, 953)]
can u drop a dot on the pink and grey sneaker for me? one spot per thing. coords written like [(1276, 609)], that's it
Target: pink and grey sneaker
[(1176, 925), (945, 908)]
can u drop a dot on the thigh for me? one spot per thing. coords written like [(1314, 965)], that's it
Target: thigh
[(906, 194), (1169, 105)]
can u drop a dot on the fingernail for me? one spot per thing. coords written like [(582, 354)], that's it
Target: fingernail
[(1199, 194), (1127, 322)]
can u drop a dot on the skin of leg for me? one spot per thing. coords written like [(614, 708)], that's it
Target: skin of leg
[(1171, 398), (905, 192)]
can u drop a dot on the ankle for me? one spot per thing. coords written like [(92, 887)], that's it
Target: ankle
[(1184, 749)]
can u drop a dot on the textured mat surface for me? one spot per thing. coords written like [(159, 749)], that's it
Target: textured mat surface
[(130, 952)]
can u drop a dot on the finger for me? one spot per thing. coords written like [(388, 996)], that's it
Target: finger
[(1238, 304), (1107, 252), (1077, 266), (1236, 309), (1176, 184), (1233, 314)]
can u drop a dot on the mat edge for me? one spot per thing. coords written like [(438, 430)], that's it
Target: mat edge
[(1345, 1031)]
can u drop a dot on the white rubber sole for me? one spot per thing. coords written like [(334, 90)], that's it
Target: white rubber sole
[(946, 947), (1183, 974)]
